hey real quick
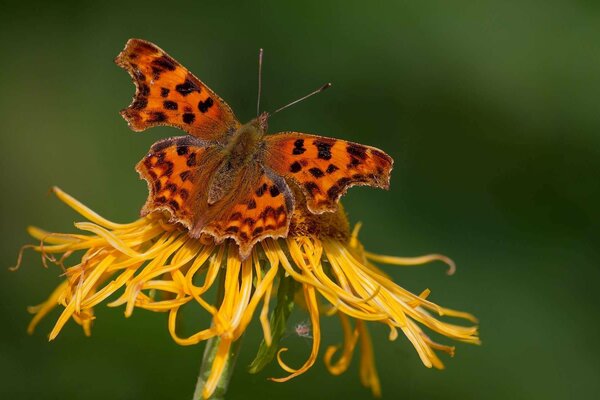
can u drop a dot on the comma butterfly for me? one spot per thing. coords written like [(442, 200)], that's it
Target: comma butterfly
[(226, 179)]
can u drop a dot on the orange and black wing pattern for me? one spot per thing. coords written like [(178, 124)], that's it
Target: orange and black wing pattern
[(176, 170), (263, 209), (179, 172), (168, 94), (324, 168)]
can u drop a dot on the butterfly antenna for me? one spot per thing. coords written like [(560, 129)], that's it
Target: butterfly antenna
[(260, 58), (319, 90)]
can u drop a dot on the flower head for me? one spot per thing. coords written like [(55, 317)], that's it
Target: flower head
[(154, 265)]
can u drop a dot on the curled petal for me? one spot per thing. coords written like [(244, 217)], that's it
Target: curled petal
[(313, 309), (350, 338)]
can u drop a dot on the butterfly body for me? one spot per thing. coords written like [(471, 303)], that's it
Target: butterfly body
[(227, 179), (246, 141), (244, 147)]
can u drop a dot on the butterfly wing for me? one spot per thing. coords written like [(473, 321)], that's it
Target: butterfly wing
[(324, 168), (177, 171), (261, 207), (180, 171), (168, 94)]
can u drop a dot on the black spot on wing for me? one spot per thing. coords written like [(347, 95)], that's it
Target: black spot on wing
[(170, 105), (274, 190), (185, 175), (143, 47), (160, 158), (261, 190), (174, 204), (181, 150), (354, 162), (232, 229), (267, 212), (331, 169), (357, 150), (191, 160), (144, 90), (381, 155), (188, 118), (169, 170), (165, 62), (140, 103), (295, 167), (156, 116), (316, 172), (235, 216), (203, 106), (323, 149), (298, 147), (156, 71), (187, 87)]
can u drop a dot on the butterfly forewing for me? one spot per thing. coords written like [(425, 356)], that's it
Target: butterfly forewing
[(168, 94), (325, 168)]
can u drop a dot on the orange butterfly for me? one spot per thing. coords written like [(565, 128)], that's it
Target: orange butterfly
[(226, 179)]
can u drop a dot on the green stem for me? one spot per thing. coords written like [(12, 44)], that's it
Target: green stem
[(210, 351)]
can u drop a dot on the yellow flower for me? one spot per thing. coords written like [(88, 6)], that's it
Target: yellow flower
[(154, 265)]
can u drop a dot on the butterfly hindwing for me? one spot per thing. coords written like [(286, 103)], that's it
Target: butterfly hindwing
[(264, 210), (180, 171), (324, 168), (168, 94), (176, 170)]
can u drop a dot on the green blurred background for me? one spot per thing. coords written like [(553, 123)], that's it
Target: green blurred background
[(489, 108)]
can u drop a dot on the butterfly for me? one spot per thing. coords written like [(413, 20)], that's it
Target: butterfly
[(227, 179)]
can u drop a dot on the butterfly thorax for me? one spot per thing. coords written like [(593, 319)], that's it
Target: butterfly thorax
[(244, 149), (244, 143)]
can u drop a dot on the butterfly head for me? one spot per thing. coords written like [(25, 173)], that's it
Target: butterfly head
[(260, 124)]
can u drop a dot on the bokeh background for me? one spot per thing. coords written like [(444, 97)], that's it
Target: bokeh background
[(489, 108)]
